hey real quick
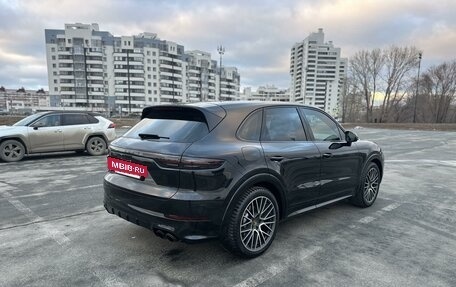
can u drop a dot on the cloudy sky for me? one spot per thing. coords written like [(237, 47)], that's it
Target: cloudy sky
[(257, 34)]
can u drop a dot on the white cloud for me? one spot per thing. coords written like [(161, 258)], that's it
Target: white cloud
[(257, 34)]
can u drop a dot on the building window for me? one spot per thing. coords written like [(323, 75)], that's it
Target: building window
[(148, 53), (148, 76), (55, 81), (148, 61), (155, 84), (154, 69), (53, 57), (52, 49), (54, 66), (148, 69), (154, 54), (155, 92), (155, 76), (69, 41), (54, 73), (149, 84), (154, 62), (56, 89)]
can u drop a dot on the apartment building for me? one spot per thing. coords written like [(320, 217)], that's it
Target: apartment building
[(202, 77), (317, 73), (22, 100), (92, 69), (266, 93)]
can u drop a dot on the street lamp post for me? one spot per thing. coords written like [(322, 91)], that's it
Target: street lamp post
[(417, 86), (221, 51), (128, 82)]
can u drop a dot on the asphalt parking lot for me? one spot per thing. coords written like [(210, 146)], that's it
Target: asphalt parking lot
[(54, 230)]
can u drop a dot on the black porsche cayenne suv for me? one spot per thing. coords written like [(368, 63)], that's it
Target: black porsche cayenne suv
[(234, 170)]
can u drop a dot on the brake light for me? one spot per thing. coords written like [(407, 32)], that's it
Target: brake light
[(112, 126), (189, 162)]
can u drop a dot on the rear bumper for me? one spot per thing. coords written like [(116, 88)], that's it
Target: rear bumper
[(188, 220)]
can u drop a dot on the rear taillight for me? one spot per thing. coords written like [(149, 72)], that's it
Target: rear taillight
[(189, 162), (112, 126), (200, 163)]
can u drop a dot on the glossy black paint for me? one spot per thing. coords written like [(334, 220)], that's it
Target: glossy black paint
[(193, 204)]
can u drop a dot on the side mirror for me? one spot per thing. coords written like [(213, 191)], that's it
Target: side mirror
[(38, 125), (351, 137)]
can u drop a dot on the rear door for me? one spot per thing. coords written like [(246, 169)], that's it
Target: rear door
[(75, 128), (290, 155), (340, 162), (45, 134)]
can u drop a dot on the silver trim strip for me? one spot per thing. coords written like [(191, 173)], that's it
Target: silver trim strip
[(318, 205)]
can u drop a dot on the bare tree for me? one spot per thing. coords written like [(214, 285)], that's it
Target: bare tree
[(399, 62), (366, 68), (439, 86), (352, 100)]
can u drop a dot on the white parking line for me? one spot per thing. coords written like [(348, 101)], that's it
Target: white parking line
[(368, 219), (108, 278), (273, 270), (46, 228), (55, 191)]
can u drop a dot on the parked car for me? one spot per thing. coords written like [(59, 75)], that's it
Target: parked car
[(234, 170), (56, 131)]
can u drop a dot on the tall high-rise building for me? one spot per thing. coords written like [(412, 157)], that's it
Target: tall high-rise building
[(92, 69), (317, 73)]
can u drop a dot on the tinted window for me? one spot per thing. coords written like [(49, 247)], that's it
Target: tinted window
[(92, 119), (74, 119), (170, 129), (323, 128), (251, 127), (48, 121), (282, 124)]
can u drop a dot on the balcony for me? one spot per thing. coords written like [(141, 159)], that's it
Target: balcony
[(69, 77), (67, 93), (98, 93), (99, 62), (97, 70), (94, 77)]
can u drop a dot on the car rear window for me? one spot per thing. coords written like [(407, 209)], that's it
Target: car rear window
[(174, 126)]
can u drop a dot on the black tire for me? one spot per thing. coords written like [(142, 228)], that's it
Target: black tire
[(235, 237), (368, 188), (12, 150), (96, 146)]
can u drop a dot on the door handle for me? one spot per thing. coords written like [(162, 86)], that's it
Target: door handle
[(327, 155), (57, 131), (276, 158)]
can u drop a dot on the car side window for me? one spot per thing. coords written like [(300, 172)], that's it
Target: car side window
[(251, 127), (282, 124), (74, 119), (323, 128), (92, 119), (48, 121)]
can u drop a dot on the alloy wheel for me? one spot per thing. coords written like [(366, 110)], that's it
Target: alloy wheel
[(371, 184), (258, 223), (12, 151)]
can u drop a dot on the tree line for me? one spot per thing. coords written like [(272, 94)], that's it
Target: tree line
[(384, 85)]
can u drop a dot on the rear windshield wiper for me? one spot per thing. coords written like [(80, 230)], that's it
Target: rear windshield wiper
[(151, 136)]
